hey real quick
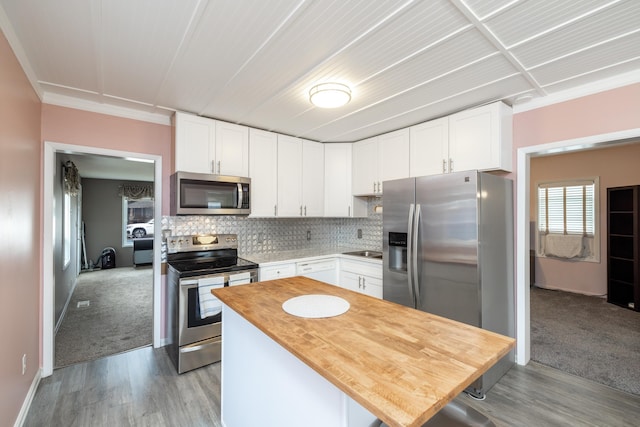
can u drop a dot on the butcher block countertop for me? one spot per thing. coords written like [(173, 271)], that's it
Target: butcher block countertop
[(401, 364)]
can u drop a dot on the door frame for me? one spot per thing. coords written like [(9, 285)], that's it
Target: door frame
[(523, 176), (47, 320)]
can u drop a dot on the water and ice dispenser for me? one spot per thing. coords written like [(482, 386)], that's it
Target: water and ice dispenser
[(398, 252)]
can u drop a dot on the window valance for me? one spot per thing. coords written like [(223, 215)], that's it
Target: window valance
[(71, 178), (136, 191)]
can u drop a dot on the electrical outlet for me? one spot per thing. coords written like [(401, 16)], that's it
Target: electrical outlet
[(308, 234), (359, 233), (24, 363)]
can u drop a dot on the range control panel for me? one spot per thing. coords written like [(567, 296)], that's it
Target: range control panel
[(201, 242)]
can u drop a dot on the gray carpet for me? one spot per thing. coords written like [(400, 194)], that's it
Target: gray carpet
[(119, 316), (586, 336)]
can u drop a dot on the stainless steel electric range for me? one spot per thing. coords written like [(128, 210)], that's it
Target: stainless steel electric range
[(197, 264)]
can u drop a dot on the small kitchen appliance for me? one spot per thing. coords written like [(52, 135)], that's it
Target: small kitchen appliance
[(197, 264)]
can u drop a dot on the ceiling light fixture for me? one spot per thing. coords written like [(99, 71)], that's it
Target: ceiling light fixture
[(329, 95)]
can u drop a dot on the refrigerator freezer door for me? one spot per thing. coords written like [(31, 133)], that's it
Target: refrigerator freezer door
[(448, 246), (399, 195)]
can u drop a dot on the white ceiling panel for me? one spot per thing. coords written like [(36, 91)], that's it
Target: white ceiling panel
[(253, 62), (530, 18), (581, 34), (138, 52), (602, 56), (626, 69)]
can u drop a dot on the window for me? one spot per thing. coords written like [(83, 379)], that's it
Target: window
[(137, 219), (568, 208)]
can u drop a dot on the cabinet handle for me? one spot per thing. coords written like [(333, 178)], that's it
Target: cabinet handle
[(348, 210), (444, 166), (379, 190), (275, 210), (374, 186), (305, 210), (450, 165), (359, 282), (300, 210), (218, 167), (213, 166), (364, 286)]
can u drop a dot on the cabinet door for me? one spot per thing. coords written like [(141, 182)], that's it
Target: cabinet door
[(429, 148), (338, 199), (289, 176), (312, 178), (350, 280), (232, 149), (480, 138), (393, 156), (365, 167), (263, 158), (371, 286), (195, 139)]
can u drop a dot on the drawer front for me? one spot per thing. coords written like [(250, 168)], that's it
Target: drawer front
[(363, 268), (199, 354), (277, 272)]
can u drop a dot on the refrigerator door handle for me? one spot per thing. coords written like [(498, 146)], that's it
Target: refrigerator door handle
[(414, 254), (410, 222)]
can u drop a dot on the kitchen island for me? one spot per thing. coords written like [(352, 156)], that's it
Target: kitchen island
[(379, 360)]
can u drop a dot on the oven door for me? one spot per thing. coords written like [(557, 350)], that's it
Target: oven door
[(192, 327)]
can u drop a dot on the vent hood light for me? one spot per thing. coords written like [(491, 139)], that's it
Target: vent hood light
[(330, 95)]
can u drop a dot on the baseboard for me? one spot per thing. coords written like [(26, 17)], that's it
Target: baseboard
[(573, 291), (28, 399), (66, 305)]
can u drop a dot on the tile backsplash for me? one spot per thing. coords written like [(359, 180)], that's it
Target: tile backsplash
[(267, 235)]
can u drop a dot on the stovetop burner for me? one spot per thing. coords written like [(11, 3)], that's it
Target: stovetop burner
[(200, 255), (203, 266)]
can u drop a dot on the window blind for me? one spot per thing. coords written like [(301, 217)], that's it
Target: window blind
[(567, 208)]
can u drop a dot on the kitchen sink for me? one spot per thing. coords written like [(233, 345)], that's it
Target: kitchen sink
[(365, 254)]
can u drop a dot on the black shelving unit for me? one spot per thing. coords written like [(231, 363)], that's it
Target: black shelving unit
[(623, 246)]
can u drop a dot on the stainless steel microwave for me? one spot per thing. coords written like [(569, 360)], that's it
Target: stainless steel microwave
[(206, 194)]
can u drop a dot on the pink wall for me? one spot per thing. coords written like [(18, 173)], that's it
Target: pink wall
[(616, 166), (20, 231), (77, 127), (601, 113)]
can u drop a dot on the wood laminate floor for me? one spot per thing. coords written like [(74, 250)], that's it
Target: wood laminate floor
[(142, 388)]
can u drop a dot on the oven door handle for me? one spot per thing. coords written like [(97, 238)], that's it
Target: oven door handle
[(190, 348)]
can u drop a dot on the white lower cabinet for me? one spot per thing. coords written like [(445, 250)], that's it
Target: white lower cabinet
[(363, 277), (277, 271)]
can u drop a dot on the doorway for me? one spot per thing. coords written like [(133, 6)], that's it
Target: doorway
[(48, 287), (524, 154)]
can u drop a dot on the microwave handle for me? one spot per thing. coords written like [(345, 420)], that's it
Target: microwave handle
[(240, 195)]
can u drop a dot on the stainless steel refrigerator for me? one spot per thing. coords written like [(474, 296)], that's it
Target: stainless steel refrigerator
[(448, 250)]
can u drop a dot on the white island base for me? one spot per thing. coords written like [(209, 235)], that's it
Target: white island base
[(263, 384)]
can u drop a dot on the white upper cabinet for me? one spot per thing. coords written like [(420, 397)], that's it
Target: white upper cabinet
[(232, 149), (312, 178), (208, 146), (380, 159), (338, 197), (195, 139), (365, 167), (289, 176), (429, 148), (263, 171), (393, 156), (481, 138)]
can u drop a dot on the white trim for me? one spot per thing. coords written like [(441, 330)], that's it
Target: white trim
[(66, 306), (26, 404), (48, 282), (523, 318), (603, 85), (112, 110)]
